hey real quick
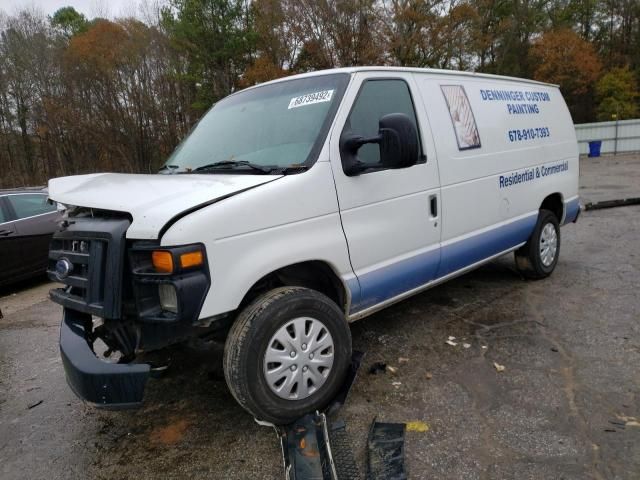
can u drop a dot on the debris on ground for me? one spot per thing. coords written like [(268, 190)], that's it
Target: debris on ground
[(466, 345), (428, 375), (451, 342), (622, 202), (629, 421), (417, 426), (304, 449), (378, 367), (381, 367), (341, 449), (315, 448), (385, 451), (33, 405), (403, 360), (396, 384), (499, 368), (341, 397)]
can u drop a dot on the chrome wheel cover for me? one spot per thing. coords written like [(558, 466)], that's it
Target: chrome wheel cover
[(299, 358), (548, 244)]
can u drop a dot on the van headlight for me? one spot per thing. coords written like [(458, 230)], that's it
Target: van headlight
[(168, 297), (183, 258), (169, 283)]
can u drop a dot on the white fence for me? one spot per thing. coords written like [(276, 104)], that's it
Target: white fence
[(616, 137)]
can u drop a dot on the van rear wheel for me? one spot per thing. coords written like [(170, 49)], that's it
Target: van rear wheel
[(287, 354), (537, 258)]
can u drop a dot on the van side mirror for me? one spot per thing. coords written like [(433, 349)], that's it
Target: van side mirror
[(398, 141)]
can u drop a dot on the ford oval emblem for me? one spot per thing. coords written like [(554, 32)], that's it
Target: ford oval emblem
[(63, 268)]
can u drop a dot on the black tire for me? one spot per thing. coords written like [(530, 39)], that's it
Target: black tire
[(528, 257), (247, 343)]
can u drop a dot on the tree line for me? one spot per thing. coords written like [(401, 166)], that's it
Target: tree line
[(81, 95)]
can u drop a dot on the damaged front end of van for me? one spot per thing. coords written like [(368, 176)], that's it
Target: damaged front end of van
[(120, 295)]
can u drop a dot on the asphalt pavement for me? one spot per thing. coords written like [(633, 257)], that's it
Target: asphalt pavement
[(566, 405)]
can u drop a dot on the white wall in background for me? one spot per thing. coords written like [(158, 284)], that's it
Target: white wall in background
[(628, 136)]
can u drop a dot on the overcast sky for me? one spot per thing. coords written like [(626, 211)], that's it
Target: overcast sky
[(91, 8)]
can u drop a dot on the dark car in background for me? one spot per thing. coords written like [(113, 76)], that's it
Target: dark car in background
[(27, 222)]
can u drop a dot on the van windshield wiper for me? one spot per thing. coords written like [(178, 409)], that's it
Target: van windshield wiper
[(231, 164), (292, 169)]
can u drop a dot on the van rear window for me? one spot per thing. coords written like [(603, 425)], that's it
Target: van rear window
[(462, 119)]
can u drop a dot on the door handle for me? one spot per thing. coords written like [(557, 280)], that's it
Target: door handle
[(433, 205), (5, 233)]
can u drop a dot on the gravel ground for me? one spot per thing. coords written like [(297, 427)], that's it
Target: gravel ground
[(567, 404), (609, 177)]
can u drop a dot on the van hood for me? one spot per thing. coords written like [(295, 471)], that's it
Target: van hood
[(152, 200)]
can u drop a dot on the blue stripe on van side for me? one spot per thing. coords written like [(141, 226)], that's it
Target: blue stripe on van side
[(571, 208), (392, 280), (475, 249)]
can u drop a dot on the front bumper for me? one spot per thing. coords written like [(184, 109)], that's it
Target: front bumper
[(106, 385)]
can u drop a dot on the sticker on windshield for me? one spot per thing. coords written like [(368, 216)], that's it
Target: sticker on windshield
[(311, 98)]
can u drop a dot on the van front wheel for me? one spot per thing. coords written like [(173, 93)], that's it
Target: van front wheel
[(287, 354), (538, 257)]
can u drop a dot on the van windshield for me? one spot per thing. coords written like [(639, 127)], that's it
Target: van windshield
[(262, 130)]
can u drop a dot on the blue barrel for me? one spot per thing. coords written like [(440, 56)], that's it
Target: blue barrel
[(594, 148)]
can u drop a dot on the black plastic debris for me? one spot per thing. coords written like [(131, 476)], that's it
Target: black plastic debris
[(623, 202), (343, 458), (378, 367), (305, 449), (385, 452), (34, 405), (341, 397), (314, 450)]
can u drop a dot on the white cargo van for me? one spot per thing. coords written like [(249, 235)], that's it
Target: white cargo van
[(297, 206)]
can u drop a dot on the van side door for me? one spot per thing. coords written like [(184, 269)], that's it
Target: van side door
[(482, 219), (391, 218)]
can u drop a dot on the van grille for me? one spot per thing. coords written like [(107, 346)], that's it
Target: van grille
[(87, 257)]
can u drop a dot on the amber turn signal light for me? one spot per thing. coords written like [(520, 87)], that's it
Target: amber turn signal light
[(191, 259), (162, 261)]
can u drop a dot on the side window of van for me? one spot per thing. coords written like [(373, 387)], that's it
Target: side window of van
[(376, 99)]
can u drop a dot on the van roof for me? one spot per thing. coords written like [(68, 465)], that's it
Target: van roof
[(432, 71)]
